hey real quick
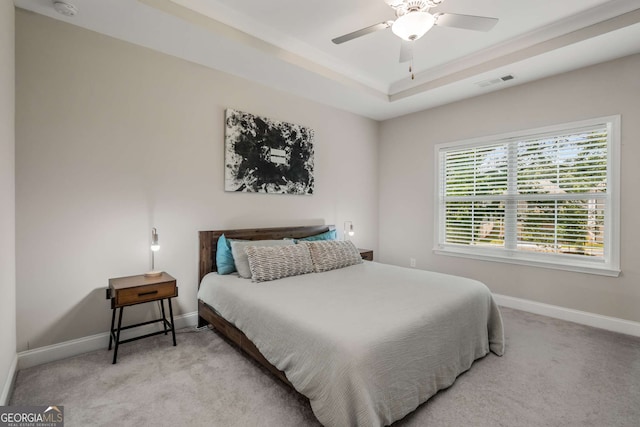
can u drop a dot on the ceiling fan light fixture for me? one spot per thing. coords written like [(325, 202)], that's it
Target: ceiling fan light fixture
[(413, 25)]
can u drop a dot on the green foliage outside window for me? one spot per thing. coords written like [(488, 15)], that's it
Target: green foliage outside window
[(557, 190)]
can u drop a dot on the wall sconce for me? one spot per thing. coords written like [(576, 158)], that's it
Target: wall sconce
[(348, 230), (155, 247)]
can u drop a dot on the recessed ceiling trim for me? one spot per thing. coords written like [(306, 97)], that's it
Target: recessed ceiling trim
[(217, 10), (224, 23), (227, 31), (559, 28), (621, 21)]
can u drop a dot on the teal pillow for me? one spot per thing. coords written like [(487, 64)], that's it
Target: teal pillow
[(224, 257), (327, 235)]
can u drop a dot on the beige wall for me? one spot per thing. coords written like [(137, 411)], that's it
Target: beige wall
[(406, 182), (112, 139), (7, 195)]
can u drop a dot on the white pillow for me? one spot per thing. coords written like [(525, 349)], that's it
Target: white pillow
[(240, 256), (275, 262), (332, 254)]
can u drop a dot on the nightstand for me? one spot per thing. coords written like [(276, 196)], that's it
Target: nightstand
[(366, 254), (132, 290)]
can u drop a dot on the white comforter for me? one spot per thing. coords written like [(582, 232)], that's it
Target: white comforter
[(368, 343)]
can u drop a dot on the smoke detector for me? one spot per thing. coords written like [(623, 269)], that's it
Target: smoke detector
[(65, 8)]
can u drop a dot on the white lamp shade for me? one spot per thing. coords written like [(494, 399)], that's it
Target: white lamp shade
[(348, 229), (413, 25), (155, 245)]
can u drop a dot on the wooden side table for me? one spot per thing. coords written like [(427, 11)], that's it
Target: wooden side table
[(131, 290), (366, 254)]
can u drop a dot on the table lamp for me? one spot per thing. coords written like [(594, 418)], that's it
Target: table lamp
[(348, 229), (155, 247)]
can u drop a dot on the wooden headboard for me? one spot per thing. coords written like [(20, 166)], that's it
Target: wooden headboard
[(209, 241)]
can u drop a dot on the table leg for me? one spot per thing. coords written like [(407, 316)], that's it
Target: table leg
[(115, 351), (173, 326), (164, 317), (113, 320)]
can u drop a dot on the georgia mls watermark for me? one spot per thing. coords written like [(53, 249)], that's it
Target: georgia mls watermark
[(31, 416)]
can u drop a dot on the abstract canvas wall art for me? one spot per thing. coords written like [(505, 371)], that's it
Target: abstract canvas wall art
[(267, 156)]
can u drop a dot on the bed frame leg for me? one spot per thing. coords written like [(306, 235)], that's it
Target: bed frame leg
[(201, 322)]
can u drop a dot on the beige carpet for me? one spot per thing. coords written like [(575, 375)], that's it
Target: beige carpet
[(553, 373)]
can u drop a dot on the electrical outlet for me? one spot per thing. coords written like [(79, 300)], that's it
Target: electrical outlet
[(412, 262)]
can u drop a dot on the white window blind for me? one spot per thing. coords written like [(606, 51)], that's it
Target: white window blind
[(546, 197)]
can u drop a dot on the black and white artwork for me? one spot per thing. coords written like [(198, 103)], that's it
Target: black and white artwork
[(267, 156)]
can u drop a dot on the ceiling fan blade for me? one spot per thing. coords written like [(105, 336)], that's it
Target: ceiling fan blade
[(467, 22), (362, 32), (406, 51)]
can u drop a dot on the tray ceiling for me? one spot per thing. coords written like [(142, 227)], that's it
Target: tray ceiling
[(286, 44)]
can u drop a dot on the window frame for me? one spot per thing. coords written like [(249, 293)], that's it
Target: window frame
[(608, 266)]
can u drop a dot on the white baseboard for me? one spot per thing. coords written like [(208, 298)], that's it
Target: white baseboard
[(51, 353), (583, 317), (8, 384)]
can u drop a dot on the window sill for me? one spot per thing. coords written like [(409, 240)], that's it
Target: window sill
[(578, 267)]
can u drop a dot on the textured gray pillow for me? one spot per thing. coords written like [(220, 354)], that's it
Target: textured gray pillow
[(275, 262), (332, 254), (240, 256)]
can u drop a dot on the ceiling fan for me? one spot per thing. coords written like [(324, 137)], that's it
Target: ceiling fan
[(413, 20)]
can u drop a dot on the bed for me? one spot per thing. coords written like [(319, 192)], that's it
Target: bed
[(366, 344)]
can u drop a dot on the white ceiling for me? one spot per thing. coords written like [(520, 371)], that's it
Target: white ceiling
[(286, 44)]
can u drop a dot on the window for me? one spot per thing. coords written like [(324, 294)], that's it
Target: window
[(544, 197)]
